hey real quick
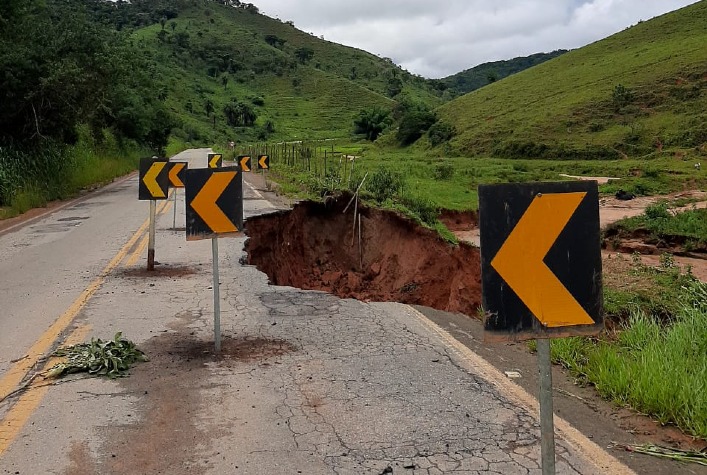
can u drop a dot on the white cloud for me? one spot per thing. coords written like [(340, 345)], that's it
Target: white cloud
[(442, 37)]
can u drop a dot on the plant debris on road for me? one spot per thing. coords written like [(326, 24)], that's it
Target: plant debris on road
[(112, 358)]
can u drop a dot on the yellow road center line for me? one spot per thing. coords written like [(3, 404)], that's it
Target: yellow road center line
[(14, 376), (25, 406), (138, 252)]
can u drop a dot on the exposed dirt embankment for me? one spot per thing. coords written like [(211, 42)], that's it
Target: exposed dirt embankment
[(315, 247)]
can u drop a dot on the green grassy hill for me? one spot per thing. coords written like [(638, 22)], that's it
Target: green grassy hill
[(640, 92), (479, 76), (298, 85)]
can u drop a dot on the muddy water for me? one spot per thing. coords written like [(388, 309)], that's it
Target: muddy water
[(316, 246)]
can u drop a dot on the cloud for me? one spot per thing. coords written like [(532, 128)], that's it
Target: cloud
[(439, 38)]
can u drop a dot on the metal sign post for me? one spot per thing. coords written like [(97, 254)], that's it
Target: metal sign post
[(217, 295), (177, 171), (214, 208), (151, 240), (153, 185), (547, 425), (174, 205)]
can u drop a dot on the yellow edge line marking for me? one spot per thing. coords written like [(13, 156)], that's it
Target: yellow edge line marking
[(474, 363), (14, 376), (25, 406)]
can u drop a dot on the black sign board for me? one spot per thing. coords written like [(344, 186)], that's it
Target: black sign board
[(214, 202), (540, 260), (153, 181)]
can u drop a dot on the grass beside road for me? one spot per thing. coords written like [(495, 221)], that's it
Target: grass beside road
[(32, 178), (655, 358), (451, 182)]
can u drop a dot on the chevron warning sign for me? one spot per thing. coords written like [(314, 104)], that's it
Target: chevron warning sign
[(263, 162), (153, 181), (214, 202), (215, 160), (540, 260), (244, 162), (177, 171)]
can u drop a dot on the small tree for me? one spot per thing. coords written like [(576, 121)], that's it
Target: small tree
[(414, 123), (208, 107), (304, 54), (239, 114), (621, 96), (394, 86), (371, 122), (275, 41)]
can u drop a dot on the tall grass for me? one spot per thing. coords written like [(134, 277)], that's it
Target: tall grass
[(657, 368), (30, 178)]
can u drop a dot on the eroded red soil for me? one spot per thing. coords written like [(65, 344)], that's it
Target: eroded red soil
[(316, 247)]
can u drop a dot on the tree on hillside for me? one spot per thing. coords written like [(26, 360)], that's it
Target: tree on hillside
[(275, 41), (239, 114), (414, 123), (371, 122), (208, 107), (394, 86), (61, 68), (304, 54)]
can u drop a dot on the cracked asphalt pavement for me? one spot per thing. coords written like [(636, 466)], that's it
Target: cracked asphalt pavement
[(306, 383)]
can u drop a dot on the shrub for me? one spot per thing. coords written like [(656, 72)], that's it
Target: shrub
[(621, 96), (440, 132), (422, 208), (413, 124), (384, 184), (371, 122), (444, 171)]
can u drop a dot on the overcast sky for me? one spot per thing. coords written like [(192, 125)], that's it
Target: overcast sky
[(436, 38)]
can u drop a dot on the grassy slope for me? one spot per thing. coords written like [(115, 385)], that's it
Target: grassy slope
[(314, 100), (567, 102)]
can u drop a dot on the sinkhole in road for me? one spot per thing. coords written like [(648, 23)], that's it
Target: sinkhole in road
[(315, 246)]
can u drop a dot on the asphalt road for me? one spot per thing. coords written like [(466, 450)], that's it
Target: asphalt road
[(306, 382)]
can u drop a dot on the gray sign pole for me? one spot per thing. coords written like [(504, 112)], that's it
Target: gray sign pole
[(151, 241), (174, 216), (217, 297), (547, 426)]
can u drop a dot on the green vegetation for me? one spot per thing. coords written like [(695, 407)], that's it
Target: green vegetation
[(687, 228), (79, 103), (111, 358), (214, 56), (639, 93), (487, 73), (626, 365)]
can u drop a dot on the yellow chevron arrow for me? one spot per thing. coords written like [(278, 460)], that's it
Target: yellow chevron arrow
[(244, 164), (213, 163), (262, 161), (204, 203), (520, 261), (150, 179), (174, 175)]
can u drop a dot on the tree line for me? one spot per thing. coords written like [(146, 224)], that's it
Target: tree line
[(61, 68)]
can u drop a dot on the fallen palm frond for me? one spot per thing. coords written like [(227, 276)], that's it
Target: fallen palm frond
[(690, 456), (112, 358)]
